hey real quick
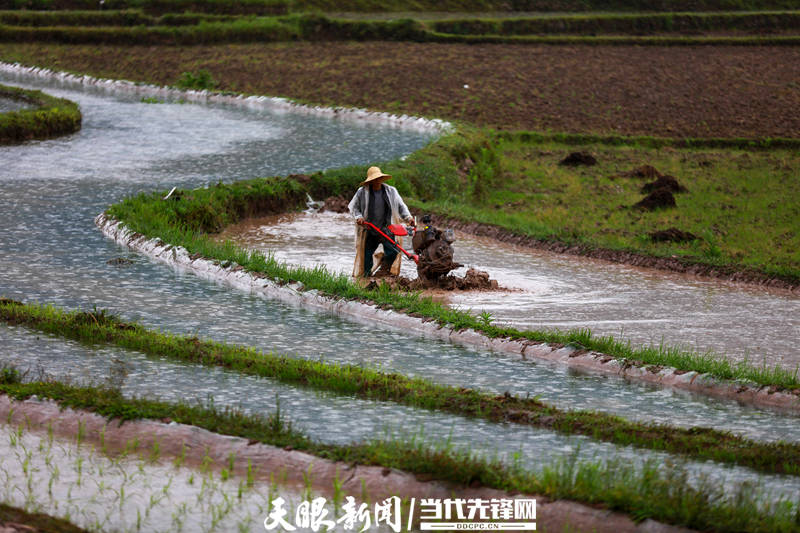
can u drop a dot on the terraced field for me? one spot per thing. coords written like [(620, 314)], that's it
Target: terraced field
[(303, 403)]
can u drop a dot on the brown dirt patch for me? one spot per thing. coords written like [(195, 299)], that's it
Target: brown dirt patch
[(576, 159), (702, 91), (337, 204), (648, 172), (473, 280), (119, 262), (658, 199), (664, 182), (672, 235)]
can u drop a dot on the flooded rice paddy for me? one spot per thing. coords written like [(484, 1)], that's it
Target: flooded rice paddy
[(329, 418), (51, 252), (128, 493), (549, 290)]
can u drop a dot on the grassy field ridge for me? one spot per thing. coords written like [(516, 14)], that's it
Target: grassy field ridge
[(48, 117)]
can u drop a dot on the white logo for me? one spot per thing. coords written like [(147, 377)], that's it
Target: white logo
[(450, 514)]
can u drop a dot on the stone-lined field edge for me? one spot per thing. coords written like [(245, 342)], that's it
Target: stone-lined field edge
[(269, 103), (294, 294)]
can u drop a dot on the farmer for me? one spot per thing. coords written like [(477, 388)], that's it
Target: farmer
[(381, 205)]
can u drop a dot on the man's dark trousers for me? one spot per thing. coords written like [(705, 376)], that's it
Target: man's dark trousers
[(371, 244)]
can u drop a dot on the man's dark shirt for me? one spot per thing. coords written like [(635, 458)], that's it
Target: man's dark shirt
[(379, 209)]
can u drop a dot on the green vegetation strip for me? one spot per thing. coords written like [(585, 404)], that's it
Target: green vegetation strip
[(432, 176), (587, 24), (377, 6), (240, 7), (129, 17), (382, 6), (610, 40), (320, 27), (656, 491), (133, 28), (259, 29), (641, 141), (701, 443), (48, 117)]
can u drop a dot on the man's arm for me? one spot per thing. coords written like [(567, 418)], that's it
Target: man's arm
[(402, 208)]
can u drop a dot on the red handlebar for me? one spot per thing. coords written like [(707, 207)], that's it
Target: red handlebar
[(413, 257)]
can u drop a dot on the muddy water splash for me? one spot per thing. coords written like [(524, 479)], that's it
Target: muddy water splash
[(554, 291)]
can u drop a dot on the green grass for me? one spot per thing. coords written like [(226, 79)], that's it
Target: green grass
[(616, 40), (202, 80), (742, 204), (48, 117), (125, 17), (323, 28), (642, 141), (350, 380), (383, 6), (154, 7), (660, 492), (245, 29)]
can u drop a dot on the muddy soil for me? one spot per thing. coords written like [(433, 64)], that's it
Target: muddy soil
[(336, 204), (576, 159), (682, 91), (672, 235), (664, 182), (473, 280), (648, 172), (658, 199), (119, 262), (12, 527)]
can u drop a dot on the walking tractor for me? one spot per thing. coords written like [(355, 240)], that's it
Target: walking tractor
[(433, 248)]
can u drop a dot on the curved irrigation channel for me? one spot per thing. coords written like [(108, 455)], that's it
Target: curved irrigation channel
[(50, 251)]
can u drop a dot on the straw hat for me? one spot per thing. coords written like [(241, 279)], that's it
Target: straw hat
[(374, 173)]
